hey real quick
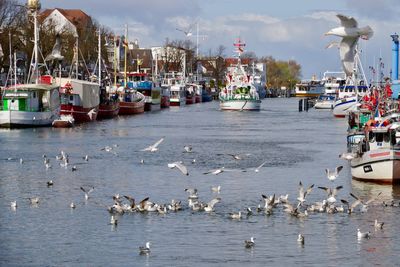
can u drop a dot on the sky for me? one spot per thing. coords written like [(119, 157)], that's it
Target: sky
[(284, 29)]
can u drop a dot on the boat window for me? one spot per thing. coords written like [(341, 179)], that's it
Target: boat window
[(346, 90), (34, 95), (71, 98), (379, 137)]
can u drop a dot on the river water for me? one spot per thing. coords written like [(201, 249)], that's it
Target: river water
[(297, 147)]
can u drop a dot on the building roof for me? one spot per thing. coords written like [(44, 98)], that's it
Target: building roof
[(76, 16)]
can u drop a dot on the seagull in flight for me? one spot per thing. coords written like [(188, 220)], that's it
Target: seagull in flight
[(87, 192), (332, 192), (350, 33), (333, 175), (179, 166), (154, 147)]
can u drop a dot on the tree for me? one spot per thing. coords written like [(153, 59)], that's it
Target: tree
[(281, 73)]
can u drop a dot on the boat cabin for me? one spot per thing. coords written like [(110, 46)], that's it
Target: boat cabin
[(30, 98), (350, 90)]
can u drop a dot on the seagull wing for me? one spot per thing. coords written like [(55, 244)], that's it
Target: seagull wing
[(131, 200), (338, 169), (347, 22), (213, 202), (158, 142), (336, 190), (262, 165), (372, 199), (84, 190), (182, 168), (347, 52), (56, 52)]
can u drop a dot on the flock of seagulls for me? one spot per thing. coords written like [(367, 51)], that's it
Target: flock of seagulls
[(269, 204)]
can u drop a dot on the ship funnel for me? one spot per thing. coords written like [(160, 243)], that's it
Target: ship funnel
[(395, 57)]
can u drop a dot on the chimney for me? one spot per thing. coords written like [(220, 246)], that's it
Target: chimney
[(395, 57)]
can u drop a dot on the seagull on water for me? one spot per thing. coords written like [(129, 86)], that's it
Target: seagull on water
[(179, 166), (14, 204), (86, 158), (350, 208), (259, 167), (113, 220), (74, 168), (34, 200), (215, 171), (188, 149), (333, 175), (235, 216), (50, 183), (145, 250), (331, 193), (300, 239), (378, 225), (210, 205), (87, 192), (72, 205), (154, 147), (249, 243), (21, 161), (361, 235), (350, 33), (142, 161), (348, 156)]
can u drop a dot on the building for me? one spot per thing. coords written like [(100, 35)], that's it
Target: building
[(65, 20)]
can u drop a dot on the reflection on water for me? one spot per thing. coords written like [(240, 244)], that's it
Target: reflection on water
[(296, 146)]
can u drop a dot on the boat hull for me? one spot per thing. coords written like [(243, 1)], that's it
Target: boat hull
[(131, 108), (378, 166), (343, 106), (25, 119), (190, 100), (165, 102), (79, 113), (174, 102), (250, 105), (152, 106), (108, 110), (198, 99), (206, 98), (324, 105)]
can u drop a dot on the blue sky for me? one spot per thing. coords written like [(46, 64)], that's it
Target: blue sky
[(284, 29)]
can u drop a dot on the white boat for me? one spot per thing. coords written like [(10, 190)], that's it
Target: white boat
[(239, 92), (174, 81), (309, 88), (325, 102), (29, 105), (347, 99), (378, 157)]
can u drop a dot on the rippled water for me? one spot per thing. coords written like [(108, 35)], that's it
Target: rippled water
[(297, 146)]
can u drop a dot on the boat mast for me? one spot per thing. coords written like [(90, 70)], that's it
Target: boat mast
[(33, 7), (99, 57), (125, 53), (77, 57), (115, 63)]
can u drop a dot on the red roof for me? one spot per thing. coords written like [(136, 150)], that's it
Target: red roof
[(76, 16)]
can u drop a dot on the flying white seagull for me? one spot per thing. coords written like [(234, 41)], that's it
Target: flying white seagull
[(350, 33), (56, 52), (179, 165), (153, 148)]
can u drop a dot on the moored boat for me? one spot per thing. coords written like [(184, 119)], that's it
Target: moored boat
[(309, 88), (239, 92), (80, 99), (131, 102), (190, 94), (378, 156), (165, 94), (29, 105), (151, 90)]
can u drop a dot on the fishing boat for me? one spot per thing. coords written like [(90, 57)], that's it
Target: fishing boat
[(29, 105), (33, 104), (173, 82), (206, 96), (165, 95), (347, 98), (152, 91), (239, 92), (190, 91), (109, 104), (198, 89), (378, 156), (309, 88), (130, 101)]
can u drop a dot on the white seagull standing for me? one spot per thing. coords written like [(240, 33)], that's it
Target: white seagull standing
[(153, 148), (350, 34)]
